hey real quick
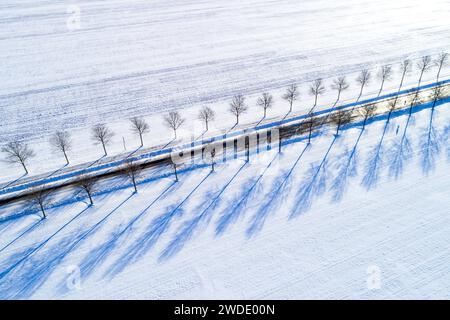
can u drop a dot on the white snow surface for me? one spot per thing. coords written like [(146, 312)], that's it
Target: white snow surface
[(312, 222), (144, 58)]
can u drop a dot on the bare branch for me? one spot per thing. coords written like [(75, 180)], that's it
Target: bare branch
[(102, 135), (384, 74), (363, 79), (340, 84), (139, 126), (18, 152), (174, 121), (316, 89), (441, 61), (424, 64), (132, 170), (291, 95), (88, 185), (206, 115), (40, 198), (265, 101), (237, 106), (62, 142)]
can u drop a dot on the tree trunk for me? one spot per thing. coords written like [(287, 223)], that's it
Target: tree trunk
[(265, 112), (207, 125), (42, 209), (212, 166), (438, 73), (176, 173), (237, 119), (279, 144), (24, 167), (134, 184), (65, 156), (175, 132), (315, 100), (420, 79), (310, 132), (90, 197), (360, 93), (381, 88), (104, 148), (247, 147), (142, 141), (290, 107)]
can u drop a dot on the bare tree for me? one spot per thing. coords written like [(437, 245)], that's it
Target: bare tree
[(18, 152), (265, 101), (424, 64), (367, 112), (363, 79), (316, 89), (340, 118), (384, 74), (405, 68), (310, 122), (440, 62), (340, 84), (237, 106), (174, 121), (291, 95), (102, 135), (139, 126), (88, 184), (206, 115), (132, 170), (62, 142), (40, 197)]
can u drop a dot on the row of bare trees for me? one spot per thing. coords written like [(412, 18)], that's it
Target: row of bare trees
[(19, 152), (41, 197)]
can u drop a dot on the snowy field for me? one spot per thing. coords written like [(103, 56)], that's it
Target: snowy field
[(363, 215), (147, 57)]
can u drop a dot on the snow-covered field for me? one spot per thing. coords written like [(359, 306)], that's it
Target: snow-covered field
[(361, 215), (147, 57)]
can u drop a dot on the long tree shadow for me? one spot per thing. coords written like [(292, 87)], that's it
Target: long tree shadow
[(400, 152), (231, 214), (374, 162), (279, 189), (430, 146), (149, 238), (22, 234), (17, 259), (313, 185), (446, 138), (24, 281), (10, 183), (347, 169), (188, 229), (38, 269), (97, 256)]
